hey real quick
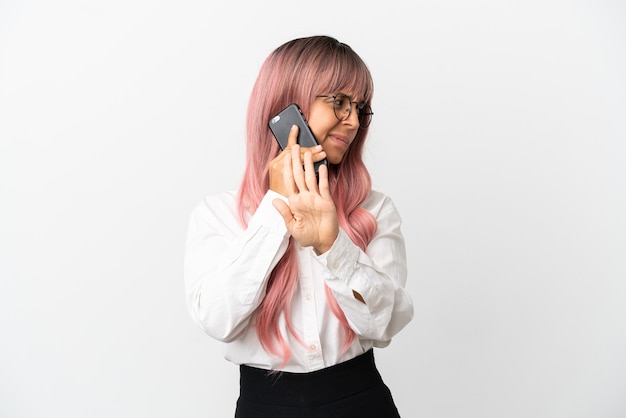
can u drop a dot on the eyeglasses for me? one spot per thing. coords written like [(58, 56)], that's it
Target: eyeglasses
[(342, 106)]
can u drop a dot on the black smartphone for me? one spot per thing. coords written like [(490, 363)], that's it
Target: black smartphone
[(281, 124)]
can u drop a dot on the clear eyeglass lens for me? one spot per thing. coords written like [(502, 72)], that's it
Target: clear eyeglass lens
[(365, 116), (343, 106)]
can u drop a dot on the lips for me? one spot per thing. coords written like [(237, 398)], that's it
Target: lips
[(340, 140)]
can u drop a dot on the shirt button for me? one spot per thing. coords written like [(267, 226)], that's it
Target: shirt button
[(313, 347), (308, 296)]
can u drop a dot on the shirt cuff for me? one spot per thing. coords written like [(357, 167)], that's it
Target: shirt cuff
[(341, 259), (268, 216)]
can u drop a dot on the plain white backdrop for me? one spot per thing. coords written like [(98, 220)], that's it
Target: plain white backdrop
[(499, 131)]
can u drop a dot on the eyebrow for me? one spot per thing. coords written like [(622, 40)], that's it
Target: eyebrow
[(360, 102)]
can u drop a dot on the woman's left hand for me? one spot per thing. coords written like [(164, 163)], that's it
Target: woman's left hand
[(310, 216)]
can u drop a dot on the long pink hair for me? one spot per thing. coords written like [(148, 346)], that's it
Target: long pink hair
[(297, 71)]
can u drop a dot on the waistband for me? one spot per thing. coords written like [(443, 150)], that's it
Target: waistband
[(307, 389)]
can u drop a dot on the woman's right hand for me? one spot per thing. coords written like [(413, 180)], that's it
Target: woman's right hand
[(276, 166)]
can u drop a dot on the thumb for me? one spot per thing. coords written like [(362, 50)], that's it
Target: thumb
[(293, 136), (283, 209)]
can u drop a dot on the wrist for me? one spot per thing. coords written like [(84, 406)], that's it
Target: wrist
[(322, 247)]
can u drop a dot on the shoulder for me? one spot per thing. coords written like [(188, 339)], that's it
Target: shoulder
[(378, 203), (222, 199), (220, 205), (382, 208)]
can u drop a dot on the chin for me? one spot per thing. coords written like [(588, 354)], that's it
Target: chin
[(335, 160), (335, 157)]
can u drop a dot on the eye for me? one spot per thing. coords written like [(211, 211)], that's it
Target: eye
[(342, 101)]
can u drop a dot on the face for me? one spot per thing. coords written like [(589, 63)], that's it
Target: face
[(334, 135)]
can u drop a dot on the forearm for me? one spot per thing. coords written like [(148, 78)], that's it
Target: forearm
[(227, 268), (371, 296)]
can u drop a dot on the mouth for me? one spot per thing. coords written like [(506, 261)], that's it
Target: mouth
[(340, 140)]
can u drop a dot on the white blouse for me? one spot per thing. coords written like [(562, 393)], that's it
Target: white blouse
[(227, 269)]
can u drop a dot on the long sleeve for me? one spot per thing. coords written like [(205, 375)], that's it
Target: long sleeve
[(377, 274), (227, 267)]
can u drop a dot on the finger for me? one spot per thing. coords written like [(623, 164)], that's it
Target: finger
[(319, 156), (316, 150), (309, 172), (324, 186), (292, 139), (283, 209), (296, 167), (288, 179)]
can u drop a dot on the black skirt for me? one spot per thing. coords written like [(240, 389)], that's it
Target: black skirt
[(352, 389)]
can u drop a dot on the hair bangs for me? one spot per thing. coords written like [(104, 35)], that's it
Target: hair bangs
[(346, 73)]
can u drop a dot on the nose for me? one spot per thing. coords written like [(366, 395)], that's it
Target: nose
[(353, 117)]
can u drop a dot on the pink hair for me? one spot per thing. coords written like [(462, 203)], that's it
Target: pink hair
[(296, 72)]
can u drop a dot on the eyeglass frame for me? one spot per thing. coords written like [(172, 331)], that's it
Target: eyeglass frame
[(358, 111)]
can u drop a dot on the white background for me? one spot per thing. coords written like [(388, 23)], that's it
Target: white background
[(499, 132)]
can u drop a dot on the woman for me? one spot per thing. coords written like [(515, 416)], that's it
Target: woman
[(302, 279)]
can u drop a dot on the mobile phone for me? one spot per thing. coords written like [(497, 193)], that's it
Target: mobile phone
[(281, 124)]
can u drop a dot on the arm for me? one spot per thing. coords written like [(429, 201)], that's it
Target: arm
[(369, 286), (377, 275), (226, 267)]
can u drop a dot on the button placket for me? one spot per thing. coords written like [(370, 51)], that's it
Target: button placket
[(309, 312)]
